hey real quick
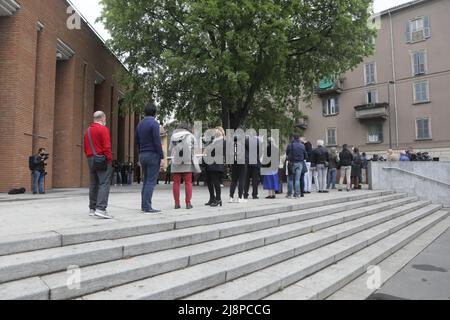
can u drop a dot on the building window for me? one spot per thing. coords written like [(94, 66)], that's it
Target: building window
[(375, 133), (370, 76), (423, 128), (372, 96), (418, 29), (330, 106), (331, 137), (421, 92), (419, 63)]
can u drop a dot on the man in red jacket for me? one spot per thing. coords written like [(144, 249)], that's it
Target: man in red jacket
[(100, 140)]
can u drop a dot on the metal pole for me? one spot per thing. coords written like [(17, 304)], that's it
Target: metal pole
[(389, 114)]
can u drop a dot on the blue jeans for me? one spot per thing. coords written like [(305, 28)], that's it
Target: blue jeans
[(297, 173), (332, 173), (150, 163), (38, 180)]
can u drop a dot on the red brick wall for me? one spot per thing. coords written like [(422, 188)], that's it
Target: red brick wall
[(48, 104)]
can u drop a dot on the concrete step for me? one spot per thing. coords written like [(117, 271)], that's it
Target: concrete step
[(269, 280), (99, 277), (118, 230), (193, 279), (24, 265), (329, 280), (173, 239), (358, 288)]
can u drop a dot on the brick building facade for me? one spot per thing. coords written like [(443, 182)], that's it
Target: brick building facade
[(52, 79)]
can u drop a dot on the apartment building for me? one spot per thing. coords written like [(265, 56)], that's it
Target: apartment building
[(53, 75), (397, 98)]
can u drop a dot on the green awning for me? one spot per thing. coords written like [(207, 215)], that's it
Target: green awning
[(326, 84)]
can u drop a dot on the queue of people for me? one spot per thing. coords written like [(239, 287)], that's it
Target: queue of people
[(304, 164)]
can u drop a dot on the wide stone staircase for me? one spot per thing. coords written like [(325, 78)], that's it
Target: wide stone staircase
[(289, 250)]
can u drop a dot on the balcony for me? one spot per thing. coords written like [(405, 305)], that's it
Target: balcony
[(8, 7), (329, 87), (372, 111), (302, 123)]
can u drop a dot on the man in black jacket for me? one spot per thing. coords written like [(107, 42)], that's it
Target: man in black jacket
[(307, 180), (253, 171), (345, 161), (320, 160)]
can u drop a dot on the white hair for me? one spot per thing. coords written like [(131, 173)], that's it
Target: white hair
[(99, 115), (320, 143)]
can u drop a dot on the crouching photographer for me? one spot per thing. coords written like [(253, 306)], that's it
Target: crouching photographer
[(37, 167)]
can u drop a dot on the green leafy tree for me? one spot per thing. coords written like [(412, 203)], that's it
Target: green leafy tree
[(235, 62)]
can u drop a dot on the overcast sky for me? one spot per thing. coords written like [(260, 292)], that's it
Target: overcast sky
[(91, 9)]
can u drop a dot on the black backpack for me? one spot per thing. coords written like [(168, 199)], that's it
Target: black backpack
[(31, 163)]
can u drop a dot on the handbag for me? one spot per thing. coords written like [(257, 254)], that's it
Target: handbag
[(100, 163)]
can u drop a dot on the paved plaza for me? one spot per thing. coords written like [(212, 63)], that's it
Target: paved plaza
[(67, 208)]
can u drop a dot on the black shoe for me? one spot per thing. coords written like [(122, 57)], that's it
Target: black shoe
[(320, 191), (177, 206), (210, 202), (217, 203), (302, 195), (189, 206), (325, 191), (255, 197)]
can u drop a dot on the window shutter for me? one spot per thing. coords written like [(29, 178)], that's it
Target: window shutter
[(336, 103), (420, 64), (426, 27), (408, 32), (416, 59), (324, 106)]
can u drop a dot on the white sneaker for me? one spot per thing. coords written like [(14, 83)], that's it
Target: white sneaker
[(231, 200), (92, 213), (242, 200), (103, 214)]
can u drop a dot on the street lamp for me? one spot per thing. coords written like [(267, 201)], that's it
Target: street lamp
[(389, 113)]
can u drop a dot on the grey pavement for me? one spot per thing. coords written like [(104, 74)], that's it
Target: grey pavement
[(426, 277)]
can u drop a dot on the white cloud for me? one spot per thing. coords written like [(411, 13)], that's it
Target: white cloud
[(91, 10)]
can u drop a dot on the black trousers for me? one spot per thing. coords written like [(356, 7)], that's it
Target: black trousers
[(252, 173), (213, 183), (238, 174)]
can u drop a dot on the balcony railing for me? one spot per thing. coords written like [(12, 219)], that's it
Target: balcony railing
[(329, 87), (372, 111), (302, 123)]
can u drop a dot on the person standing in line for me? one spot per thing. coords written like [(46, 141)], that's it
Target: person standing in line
[(296, 154), (320, 161), (345, 161), (214, 171), (183, 165), (238, 171), (151, 156), (404, 156), (356, 169), (97, 147), (253, 169), (271, 180), (309, 174), (332, 169)]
